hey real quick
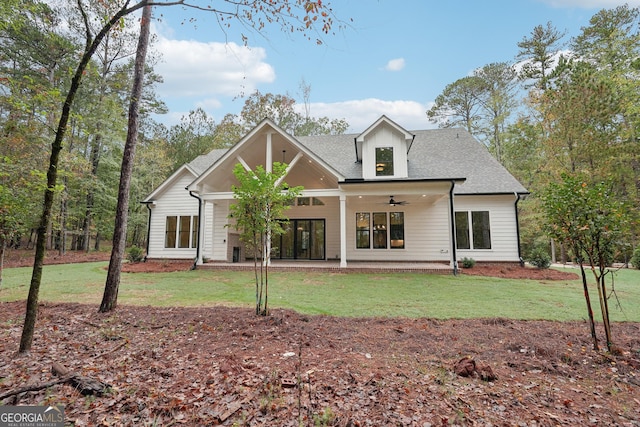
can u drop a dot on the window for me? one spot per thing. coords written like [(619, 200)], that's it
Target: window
[(308, 201), (181, 232), (363, 227), (170, 232), (384, 161), (380, 230), (481, 230), (388, 230), (396, 232), (479, 225)]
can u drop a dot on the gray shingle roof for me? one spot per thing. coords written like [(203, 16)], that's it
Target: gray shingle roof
[(202, 163), (434, 154)]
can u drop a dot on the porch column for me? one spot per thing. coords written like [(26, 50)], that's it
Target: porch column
[(201, 244), (343, 231)]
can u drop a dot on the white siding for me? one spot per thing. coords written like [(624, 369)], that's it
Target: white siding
[(504, 242), (174, 201), (384, 137), (426, 232), (330, 212), (220, 233)]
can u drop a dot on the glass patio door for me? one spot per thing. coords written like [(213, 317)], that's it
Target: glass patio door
[(303, 239)]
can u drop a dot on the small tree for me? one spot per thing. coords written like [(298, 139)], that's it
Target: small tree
[(261, 200), (590, 220)]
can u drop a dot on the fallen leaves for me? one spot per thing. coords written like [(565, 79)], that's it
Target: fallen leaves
[(225, 366)]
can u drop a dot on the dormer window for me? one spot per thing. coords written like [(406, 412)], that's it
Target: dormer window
[(384, 161)]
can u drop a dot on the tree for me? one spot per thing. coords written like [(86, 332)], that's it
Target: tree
[(193, 136), (459, 105), (281, 109), (538, 52), (304, 16), (611, 39), (15, 205), (112, 284), (481, 103), (262, 197), (590, 220), (498, 102)]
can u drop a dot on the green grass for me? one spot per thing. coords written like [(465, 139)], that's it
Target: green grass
[(354, 295)]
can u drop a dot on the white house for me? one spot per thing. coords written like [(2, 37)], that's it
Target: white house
[(386, 194)]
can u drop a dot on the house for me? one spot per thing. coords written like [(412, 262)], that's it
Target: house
[(385, 194)]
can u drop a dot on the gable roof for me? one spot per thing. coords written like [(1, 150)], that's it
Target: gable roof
[(436, 154), (168, 183), (441, 154), (383, 120)]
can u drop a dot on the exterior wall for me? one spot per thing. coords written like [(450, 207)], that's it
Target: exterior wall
[(219, 240), (426, 230), (384, 137), (330, 212), (175, 201), (207, 245), (504, 241)]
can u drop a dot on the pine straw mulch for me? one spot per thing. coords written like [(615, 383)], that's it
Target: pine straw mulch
[(226, 366)]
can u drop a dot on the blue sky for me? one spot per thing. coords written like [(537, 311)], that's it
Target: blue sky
[(394, 58)]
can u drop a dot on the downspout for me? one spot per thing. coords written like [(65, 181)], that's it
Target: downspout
[(146, 253), (518, 229), (195, 261), (453, 230)]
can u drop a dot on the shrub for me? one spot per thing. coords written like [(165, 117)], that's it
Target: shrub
[(468, 262), (135, 254), (540, 258), (635, 259)]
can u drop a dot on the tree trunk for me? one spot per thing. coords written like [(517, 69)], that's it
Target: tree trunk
[(52, 176), (600, 276), (3, 246), (96, 146), (110, 296), (592, 324)]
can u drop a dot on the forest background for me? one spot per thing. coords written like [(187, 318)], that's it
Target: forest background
[(562, 107)]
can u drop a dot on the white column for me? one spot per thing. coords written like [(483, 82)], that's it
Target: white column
[(269, 155), (343, 231)]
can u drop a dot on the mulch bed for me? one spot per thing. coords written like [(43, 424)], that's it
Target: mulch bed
[(225, 366)]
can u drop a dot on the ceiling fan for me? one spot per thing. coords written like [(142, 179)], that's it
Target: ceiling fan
[(393, 202)]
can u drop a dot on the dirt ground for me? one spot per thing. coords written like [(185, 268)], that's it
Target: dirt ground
[(226, 366)]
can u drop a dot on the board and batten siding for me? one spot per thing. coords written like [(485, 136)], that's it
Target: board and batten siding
[(502, 220), (175, 201), (426, 232)]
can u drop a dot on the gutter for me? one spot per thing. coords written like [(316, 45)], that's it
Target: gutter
[(518, 229), (146, 251), (453, 230), (192, 194)]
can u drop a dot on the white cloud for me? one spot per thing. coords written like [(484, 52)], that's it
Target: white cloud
[(360, 114), (192, 68), (395, 64)]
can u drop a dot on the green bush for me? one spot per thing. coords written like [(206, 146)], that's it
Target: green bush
[(135, 254), (540, 258), (468, 262), (635, 258)]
